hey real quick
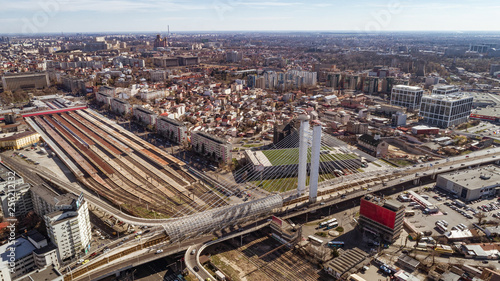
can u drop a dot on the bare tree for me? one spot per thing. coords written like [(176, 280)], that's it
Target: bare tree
[(480, 217)]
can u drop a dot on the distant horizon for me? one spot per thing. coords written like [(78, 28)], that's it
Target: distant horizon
[(487, 32), (125, 16)]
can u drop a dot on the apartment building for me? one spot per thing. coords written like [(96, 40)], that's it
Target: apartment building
[(69, 226), (31, 251), (16, 202), (172, 129), (120, 106), (211, 145), (144, 116)]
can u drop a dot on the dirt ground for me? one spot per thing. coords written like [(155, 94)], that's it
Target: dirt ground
[(397, 152), (262, 258)]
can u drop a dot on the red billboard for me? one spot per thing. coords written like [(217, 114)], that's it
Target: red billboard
[(483, 117), (277, 221), (377, 213)]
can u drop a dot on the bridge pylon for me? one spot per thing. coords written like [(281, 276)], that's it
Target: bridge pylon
[(315, 154), (303, 145)]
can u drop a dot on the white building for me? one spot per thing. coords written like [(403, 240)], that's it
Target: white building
[(150, 95), (16, 202), (69, 227), (445, 89), (446, 110), (172, 129), (145, 116), (158, 75), (13, 190), (120, 106), (407, 96), (103, 98), (471, 184), (398, 119), (23, 258), (213, 146), (31, 251)]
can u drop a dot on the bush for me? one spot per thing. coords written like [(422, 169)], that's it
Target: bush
[(322, 234), (339, 229)]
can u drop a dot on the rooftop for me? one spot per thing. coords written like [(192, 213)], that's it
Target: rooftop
[(47, 274), (35, 235), (18, 136), (475, 178), (45, 192), (369, 139), (408, 88), (171, 121), (211, 137), (22, 247), (449, 97), (347, 260), (140, 108)]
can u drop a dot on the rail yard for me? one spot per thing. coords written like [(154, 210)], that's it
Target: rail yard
[(117, 165)]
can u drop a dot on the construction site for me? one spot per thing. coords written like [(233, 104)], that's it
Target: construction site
[(121, 167)]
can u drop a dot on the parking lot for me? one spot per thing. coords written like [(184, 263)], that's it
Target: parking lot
[(451, 210)]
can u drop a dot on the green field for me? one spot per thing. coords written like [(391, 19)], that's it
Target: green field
[(285, 184), (290, 156)]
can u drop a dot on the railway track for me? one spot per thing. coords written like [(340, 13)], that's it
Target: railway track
[(281, 264)]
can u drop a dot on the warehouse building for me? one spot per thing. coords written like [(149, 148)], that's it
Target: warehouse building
[(381, 218), (471, 184), (350, 260)]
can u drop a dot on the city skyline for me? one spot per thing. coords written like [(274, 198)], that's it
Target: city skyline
[(54, 16)]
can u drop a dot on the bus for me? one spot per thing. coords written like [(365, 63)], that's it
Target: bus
[(315, 240), (336, 244), (441, 227), (326, 223), (332, 225)]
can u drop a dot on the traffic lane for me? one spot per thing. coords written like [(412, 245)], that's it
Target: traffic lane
[(151, 253)]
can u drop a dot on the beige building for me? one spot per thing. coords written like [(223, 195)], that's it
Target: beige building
[(12, 82), (20, 140)]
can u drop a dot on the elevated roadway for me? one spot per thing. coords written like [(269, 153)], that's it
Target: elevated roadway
[(402, 175)]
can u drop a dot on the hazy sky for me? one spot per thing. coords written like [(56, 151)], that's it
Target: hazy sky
[(28, 16)]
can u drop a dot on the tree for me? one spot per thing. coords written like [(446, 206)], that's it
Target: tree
[(480, 217), (417, 239)]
